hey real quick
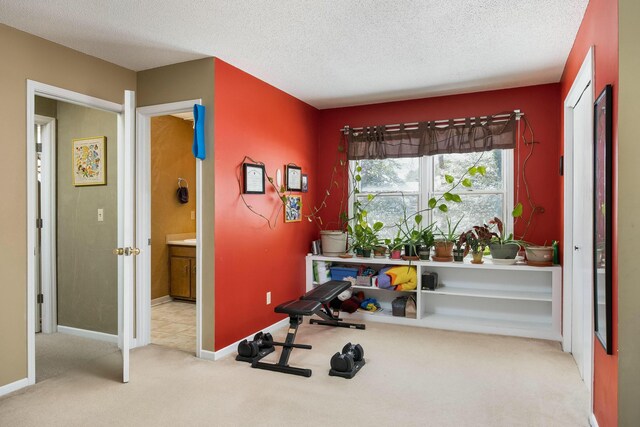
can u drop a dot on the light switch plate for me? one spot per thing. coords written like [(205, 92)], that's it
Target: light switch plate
[(100, 215)]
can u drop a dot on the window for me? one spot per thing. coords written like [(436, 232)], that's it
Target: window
[(410, 182)]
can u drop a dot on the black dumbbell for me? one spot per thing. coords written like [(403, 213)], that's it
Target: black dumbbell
[(252, 348), (345, 361)]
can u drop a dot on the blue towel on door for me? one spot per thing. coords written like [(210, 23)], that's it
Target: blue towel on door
[(198, 132)]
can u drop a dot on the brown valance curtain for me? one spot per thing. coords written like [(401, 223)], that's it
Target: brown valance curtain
[(435, 137)]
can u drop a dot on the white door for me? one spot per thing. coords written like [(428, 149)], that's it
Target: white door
[(126, 250), (582, 295)]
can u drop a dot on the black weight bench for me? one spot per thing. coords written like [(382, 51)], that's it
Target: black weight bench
[(313, 302)]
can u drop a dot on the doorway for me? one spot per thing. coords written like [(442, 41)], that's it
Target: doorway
[(70, 242), (578, 225), (182, 257)]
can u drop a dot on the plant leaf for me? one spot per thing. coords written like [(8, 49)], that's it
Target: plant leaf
[(449, 179), (456, 198), (432, 203), (466, 182), (378, 226), (443, 208), (359, 169), (418, 218), (517, 210), (473, 170), (482, 170), (448, 196), (358, 178)]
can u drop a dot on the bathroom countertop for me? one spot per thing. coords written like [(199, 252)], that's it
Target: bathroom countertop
[(183, 242)]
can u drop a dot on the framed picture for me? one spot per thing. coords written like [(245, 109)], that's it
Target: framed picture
[(602, 220), (89, 161), (294, 178), (305, 183), (293, 209), (253, 182)]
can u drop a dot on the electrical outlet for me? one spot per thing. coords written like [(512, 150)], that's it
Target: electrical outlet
[(193, 214), (100, 215), (268, 297)]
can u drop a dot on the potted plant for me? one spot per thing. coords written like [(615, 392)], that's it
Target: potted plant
[(364, 235), (501, 246), (543, 255), (394, 246), (476, 240), (411, 234), (459, 250), (444, 245), (427, 243)]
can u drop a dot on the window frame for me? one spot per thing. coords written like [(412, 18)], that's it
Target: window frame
[(426, 188)]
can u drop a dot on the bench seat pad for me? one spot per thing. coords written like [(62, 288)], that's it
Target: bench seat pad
[(327, 291), (298, 307)]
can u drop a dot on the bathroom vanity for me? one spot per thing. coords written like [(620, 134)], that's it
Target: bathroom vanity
[(182, 265)]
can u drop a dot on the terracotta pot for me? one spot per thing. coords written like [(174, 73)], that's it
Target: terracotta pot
[(443, 249), (396, 253)]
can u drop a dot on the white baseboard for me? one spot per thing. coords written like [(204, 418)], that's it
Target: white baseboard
[(161, 300), (100, 336), (11, 387), (592, 420), (232, 348)]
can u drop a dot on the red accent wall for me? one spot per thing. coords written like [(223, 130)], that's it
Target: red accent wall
[(599, 28), (541, 105), (255, 119)]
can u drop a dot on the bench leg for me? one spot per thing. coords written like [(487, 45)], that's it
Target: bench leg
[(287, 348), (331, 320)]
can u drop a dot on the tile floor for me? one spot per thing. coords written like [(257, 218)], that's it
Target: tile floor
[(173, 324)]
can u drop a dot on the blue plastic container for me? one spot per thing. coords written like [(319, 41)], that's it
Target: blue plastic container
[(339, 273)]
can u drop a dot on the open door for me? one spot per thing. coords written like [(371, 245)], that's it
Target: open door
[(126, 249)]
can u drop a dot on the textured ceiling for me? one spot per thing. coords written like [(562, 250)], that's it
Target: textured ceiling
[(328, 53)]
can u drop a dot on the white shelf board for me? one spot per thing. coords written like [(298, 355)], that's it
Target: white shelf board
[(490, 293), (375, 288), (488, 265), (532, 329)]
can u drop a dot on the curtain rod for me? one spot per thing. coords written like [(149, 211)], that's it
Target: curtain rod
[(414, 125)]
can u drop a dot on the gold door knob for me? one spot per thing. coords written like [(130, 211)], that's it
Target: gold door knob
[(135, 251), (118, 251)]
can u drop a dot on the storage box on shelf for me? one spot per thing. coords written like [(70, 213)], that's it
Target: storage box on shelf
[(517, 300)]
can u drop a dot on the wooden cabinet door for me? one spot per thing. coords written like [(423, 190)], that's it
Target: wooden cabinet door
[(180, 277), (193, 278)]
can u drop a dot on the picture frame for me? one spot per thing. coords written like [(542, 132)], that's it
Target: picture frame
[(253, 178), (293, 209), (89, 161), (294, 178), (304, 182), (602, 218)]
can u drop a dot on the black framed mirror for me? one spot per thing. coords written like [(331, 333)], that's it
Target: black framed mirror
[(602, 220)]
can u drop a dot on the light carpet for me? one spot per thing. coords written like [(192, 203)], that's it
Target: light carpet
[(412, 377)]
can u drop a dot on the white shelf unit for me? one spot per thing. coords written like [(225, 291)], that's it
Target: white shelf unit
[(518, 300)]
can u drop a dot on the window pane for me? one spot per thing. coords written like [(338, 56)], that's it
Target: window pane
[(388, 210), (457, 164), (477, 210), (389, 175)]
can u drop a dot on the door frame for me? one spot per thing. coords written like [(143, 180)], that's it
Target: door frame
[(48, 254), (143, 220), (584, 78), (34, 89)]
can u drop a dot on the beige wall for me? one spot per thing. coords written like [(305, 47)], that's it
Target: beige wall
[(181, 82), (628, 220), (22, 57), (87, 270), (171, 157)]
